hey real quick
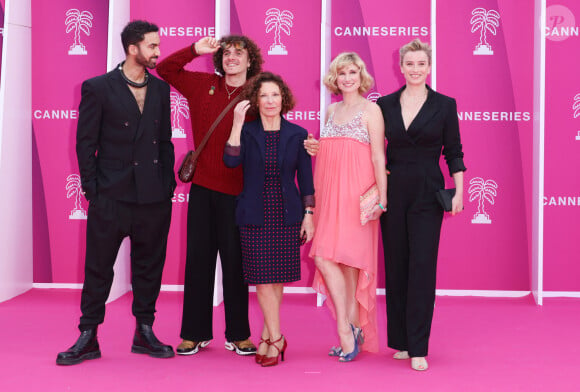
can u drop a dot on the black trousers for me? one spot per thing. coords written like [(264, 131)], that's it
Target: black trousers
[(411, 229), (109, 222), (211, 228)]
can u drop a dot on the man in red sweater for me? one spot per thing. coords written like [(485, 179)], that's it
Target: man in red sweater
[(211, 212)]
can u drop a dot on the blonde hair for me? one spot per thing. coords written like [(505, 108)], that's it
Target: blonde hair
[(341, 61), (415, 46)]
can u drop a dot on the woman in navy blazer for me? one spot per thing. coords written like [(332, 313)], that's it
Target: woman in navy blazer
[(274, 215), (420, 124)]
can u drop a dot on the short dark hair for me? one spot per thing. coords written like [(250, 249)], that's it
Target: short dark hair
[(254, 54), (252, 90), (135, 32)]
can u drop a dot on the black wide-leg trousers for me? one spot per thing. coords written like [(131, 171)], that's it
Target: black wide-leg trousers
[(411, 230), (211, 229), (109, 222)]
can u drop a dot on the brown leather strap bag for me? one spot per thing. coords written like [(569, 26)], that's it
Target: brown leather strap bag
[(187, 168)]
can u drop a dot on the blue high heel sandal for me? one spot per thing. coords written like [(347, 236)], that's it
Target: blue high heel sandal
[(352, 355), (359, 335), (335, 351)]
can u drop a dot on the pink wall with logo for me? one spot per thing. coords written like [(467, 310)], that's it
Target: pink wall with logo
[(377, 33), (487, 247), (66, 49), (562, 147), (491, 76), (181, 23), (357, 26), (294, 53)]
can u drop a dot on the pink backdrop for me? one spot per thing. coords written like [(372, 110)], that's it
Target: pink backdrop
[(376, 35), (61, 60), (487, 247), (181, 22), (294, 53), (356, 26), (562, 147), (490, 75)]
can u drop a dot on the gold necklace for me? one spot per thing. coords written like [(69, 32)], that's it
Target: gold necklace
[(228, 91)]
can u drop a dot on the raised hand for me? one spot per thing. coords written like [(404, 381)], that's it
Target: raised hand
[(240, 111), (239, 117), (207, 45)]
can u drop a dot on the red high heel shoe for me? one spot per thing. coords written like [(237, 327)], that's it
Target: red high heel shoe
[(260, 357), (273, 361)]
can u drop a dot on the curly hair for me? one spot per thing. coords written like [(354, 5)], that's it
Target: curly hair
[(415, 46), (252, 90), (342, 60), (254, 54)]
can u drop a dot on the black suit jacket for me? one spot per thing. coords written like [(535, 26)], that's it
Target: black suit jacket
[(434, 130), (123, 154)]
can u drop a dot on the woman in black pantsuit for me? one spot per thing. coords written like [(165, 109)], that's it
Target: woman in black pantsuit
[(419, 124)]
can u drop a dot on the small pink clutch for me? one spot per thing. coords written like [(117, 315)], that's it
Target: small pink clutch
[(368, 201)]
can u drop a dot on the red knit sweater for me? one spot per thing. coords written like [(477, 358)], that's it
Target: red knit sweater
[(211, 172)]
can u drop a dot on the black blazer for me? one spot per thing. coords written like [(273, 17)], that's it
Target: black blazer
[(293, 161), (434, 130), (123, 154)]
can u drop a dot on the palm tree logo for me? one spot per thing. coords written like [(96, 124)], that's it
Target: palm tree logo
[(78, 21), (576, 109), (482, 191), (484, 21), (73, 189), (373, 96), (278, 21), (179, 107)]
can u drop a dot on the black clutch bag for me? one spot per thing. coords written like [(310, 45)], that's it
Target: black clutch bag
[(444, 197)]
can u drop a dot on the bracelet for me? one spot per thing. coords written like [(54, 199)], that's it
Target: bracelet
[(382, 208), (308, 212)]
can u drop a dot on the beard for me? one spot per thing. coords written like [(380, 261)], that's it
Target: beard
[(150, 62)]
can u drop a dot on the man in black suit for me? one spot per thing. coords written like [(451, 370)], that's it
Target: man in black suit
[(126, 160)]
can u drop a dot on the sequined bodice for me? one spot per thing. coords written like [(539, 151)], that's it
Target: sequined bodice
[(354, 129)]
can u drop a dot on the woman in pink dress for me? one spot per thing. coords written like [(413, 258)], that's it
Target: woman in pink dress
[(351, 159)]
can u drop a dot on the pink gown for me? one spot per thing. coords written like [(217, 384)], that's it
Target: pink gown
[(343, 172)]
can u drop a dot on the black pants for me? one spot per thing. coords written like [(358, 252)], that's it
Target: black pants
[(411, 229), (211, 228), (109, 222)]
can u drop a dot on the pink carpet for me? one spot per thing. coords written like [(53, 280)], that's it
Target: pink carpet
[(476, 345)]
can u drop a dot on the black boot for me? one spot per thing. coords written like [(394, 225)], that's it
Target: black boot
[(86, 347), (145, 342)]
